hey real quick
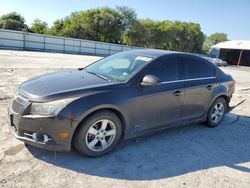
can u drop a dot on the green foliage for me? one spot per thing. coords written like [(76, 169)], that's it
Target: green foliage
[(214, 39), (39, 26), (13, 21), (217, 37), (178, 36), (144, 34), (56, 28), (128, 19), (120, 25), (101, 24), (95, 24)]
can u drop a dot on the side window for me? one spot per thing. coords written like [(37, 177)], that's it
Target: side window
[(196, 68), (168, 69)]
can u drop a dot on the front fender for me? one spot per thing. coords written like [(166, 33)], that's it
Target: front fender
[(81, 108)]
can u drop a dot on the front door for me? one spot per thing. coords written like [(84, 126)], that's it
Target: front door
[(160, 105)]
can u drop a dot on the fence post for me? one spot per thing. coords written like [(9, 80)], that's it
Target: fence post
[(63, 44), (44, 43), (24, 38), (109, 49), (95, 47), (80, 46)]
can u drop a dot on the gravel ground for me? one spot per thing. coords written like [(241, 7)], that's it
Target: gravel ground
[(189, 156)]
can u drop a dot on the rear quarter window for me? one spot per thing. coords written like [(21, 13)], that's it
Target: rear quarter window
[(219, 73), (198, 68)]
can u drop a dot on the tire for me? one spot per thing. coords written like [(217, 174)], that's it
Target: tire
[(98, 134), (216, 112)]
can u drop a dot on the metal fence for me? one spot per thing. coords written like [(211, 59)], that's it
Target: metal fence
[(36, 42)]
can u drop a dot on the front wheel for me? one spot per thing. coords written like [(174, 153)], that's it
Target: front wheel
[(216, 112), (99, 134)]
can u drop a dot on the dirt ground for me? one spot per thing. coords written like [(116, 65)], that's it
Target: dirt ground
[(189, 156)]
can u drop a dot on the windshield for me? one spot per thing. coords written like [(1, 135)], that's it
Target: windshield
[(119, 67)]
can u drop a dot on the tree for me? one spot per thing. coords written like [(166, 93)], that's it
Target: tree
[(13, 21), (56, 28), (102, 24), (128, 19), (178, 36), (145, 33), (214, 39), (186, 37), (39, 26)]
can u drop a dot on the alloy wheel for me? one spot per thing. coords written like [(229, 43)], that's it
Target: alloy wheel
[(100, 135), (218, 112)]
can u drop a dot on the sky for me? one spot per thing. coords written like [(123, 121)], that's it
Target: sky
[(229, 16)]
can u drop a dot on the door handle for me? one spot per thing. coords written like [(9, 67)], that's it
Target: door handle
[(178, 93), (209, 87)]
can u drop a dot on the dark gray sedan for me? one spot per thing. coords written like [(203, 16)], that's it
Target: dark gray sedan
[(122, 96)]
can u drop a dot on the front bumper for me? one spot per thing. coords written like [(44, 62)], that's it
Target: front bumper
[(23, 126), (41, 145)]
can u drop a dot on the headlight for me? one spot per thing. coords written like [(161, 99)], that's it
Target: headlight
[(49, 108)]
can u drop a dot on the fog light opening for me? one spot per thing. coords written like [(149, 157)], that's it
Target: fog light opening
[(41, 137)]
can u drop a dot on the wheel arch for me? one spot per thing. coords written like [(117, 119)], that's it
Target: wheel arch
[(222, 95), (112, 109)]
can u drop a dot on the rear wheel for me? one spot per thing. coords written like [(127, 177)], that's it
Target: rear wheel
[(99, 134), (216, 112)]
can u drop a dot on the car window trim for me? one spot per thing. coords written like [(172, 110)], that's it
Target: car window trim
[(190, 79), (167, 57), (186, 57)]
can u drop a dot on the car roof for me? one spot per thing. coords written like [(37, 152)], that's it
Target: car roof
[(153, 52), (158, 53)]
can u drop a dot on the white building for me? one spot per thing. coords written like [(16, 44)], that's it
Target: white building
[(235, 52)]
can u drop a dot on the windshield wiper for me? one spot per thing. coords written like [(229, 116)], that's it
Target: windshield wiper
[(99, 75)]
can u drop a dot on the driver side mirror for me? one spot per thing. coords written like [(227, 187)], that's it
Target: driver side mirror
[(150, 80)]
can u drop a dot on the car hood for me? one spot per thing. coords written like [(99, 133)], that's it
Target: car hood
[(61, 84)]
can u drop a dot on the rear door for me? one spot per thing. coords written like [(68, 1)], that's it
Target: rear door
[(199, 83), (162, 104)]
